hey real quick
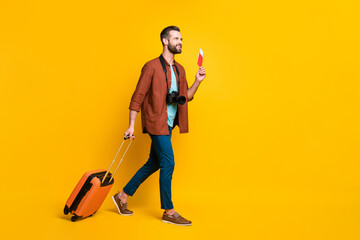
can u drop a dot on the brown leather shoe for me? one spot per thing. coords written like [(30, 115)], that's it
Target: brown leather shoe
[(122, 207), (175, 219)]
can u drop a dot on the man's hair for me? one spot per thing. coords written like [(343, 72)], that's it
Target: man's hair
[(165, 33)]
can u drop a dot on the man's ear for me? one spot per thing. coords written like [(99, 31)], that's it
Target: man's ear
[(165, 41)]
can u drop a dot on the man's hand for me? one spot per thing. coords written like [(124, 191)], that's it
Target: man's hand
[(201, 74), (132, 117), (130, 132)]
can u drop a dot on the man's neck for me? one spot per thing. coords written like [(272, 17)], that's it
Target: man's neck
[(169, 57)]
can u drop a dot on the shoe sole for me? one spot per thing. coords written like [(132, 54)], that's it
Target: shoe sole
[(179, 224), (124, 214)]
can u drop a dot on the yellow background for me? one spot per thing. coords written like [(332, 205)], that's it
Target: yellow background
[(273, 148)]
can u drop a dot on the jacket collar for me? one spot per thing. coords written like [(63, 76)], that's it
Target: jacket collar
[(166, 62)]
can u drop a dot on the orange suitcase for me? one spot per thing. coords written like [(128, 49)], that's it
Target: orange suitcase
[(91, 191)]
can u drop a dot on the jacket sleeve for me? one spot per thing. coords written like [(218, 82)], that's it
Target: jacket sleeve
[(142, 88)]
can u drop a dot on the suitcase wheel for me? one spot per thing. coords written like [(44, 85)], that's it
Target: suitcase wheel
[(75, 218), (66, 210)]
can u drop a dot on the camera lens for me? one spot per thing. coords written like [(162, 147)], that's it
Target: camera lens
[(180, 100)]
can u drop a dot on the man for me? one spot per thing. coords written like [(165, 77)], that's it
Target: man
[(161, 110)]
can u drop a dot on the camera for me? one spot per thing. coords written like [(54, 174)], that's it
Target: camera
[(174, 97)]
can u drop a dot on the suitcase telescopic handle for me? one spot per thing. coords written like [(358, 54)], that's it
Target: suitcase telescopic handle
[(113, 161)]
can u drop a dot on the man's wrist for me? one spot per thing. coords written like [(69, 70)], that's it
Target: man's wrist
[(197, 81)]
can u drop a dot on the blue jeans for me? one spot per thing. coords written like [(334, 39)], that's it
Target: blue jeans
[(161, 156)]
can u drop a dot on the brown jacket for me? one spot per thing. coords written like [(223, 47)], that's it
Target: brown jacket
[(150, 97)]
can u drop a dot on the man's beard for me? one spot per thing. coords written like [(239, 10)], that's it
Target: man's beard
[(173, 49)]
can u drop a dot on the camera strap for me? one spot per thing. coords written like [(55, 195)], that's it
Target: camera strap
[(162, 60)]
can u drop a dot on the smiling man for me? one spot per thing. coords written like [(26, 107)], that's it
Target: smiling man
[(162, 95)]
